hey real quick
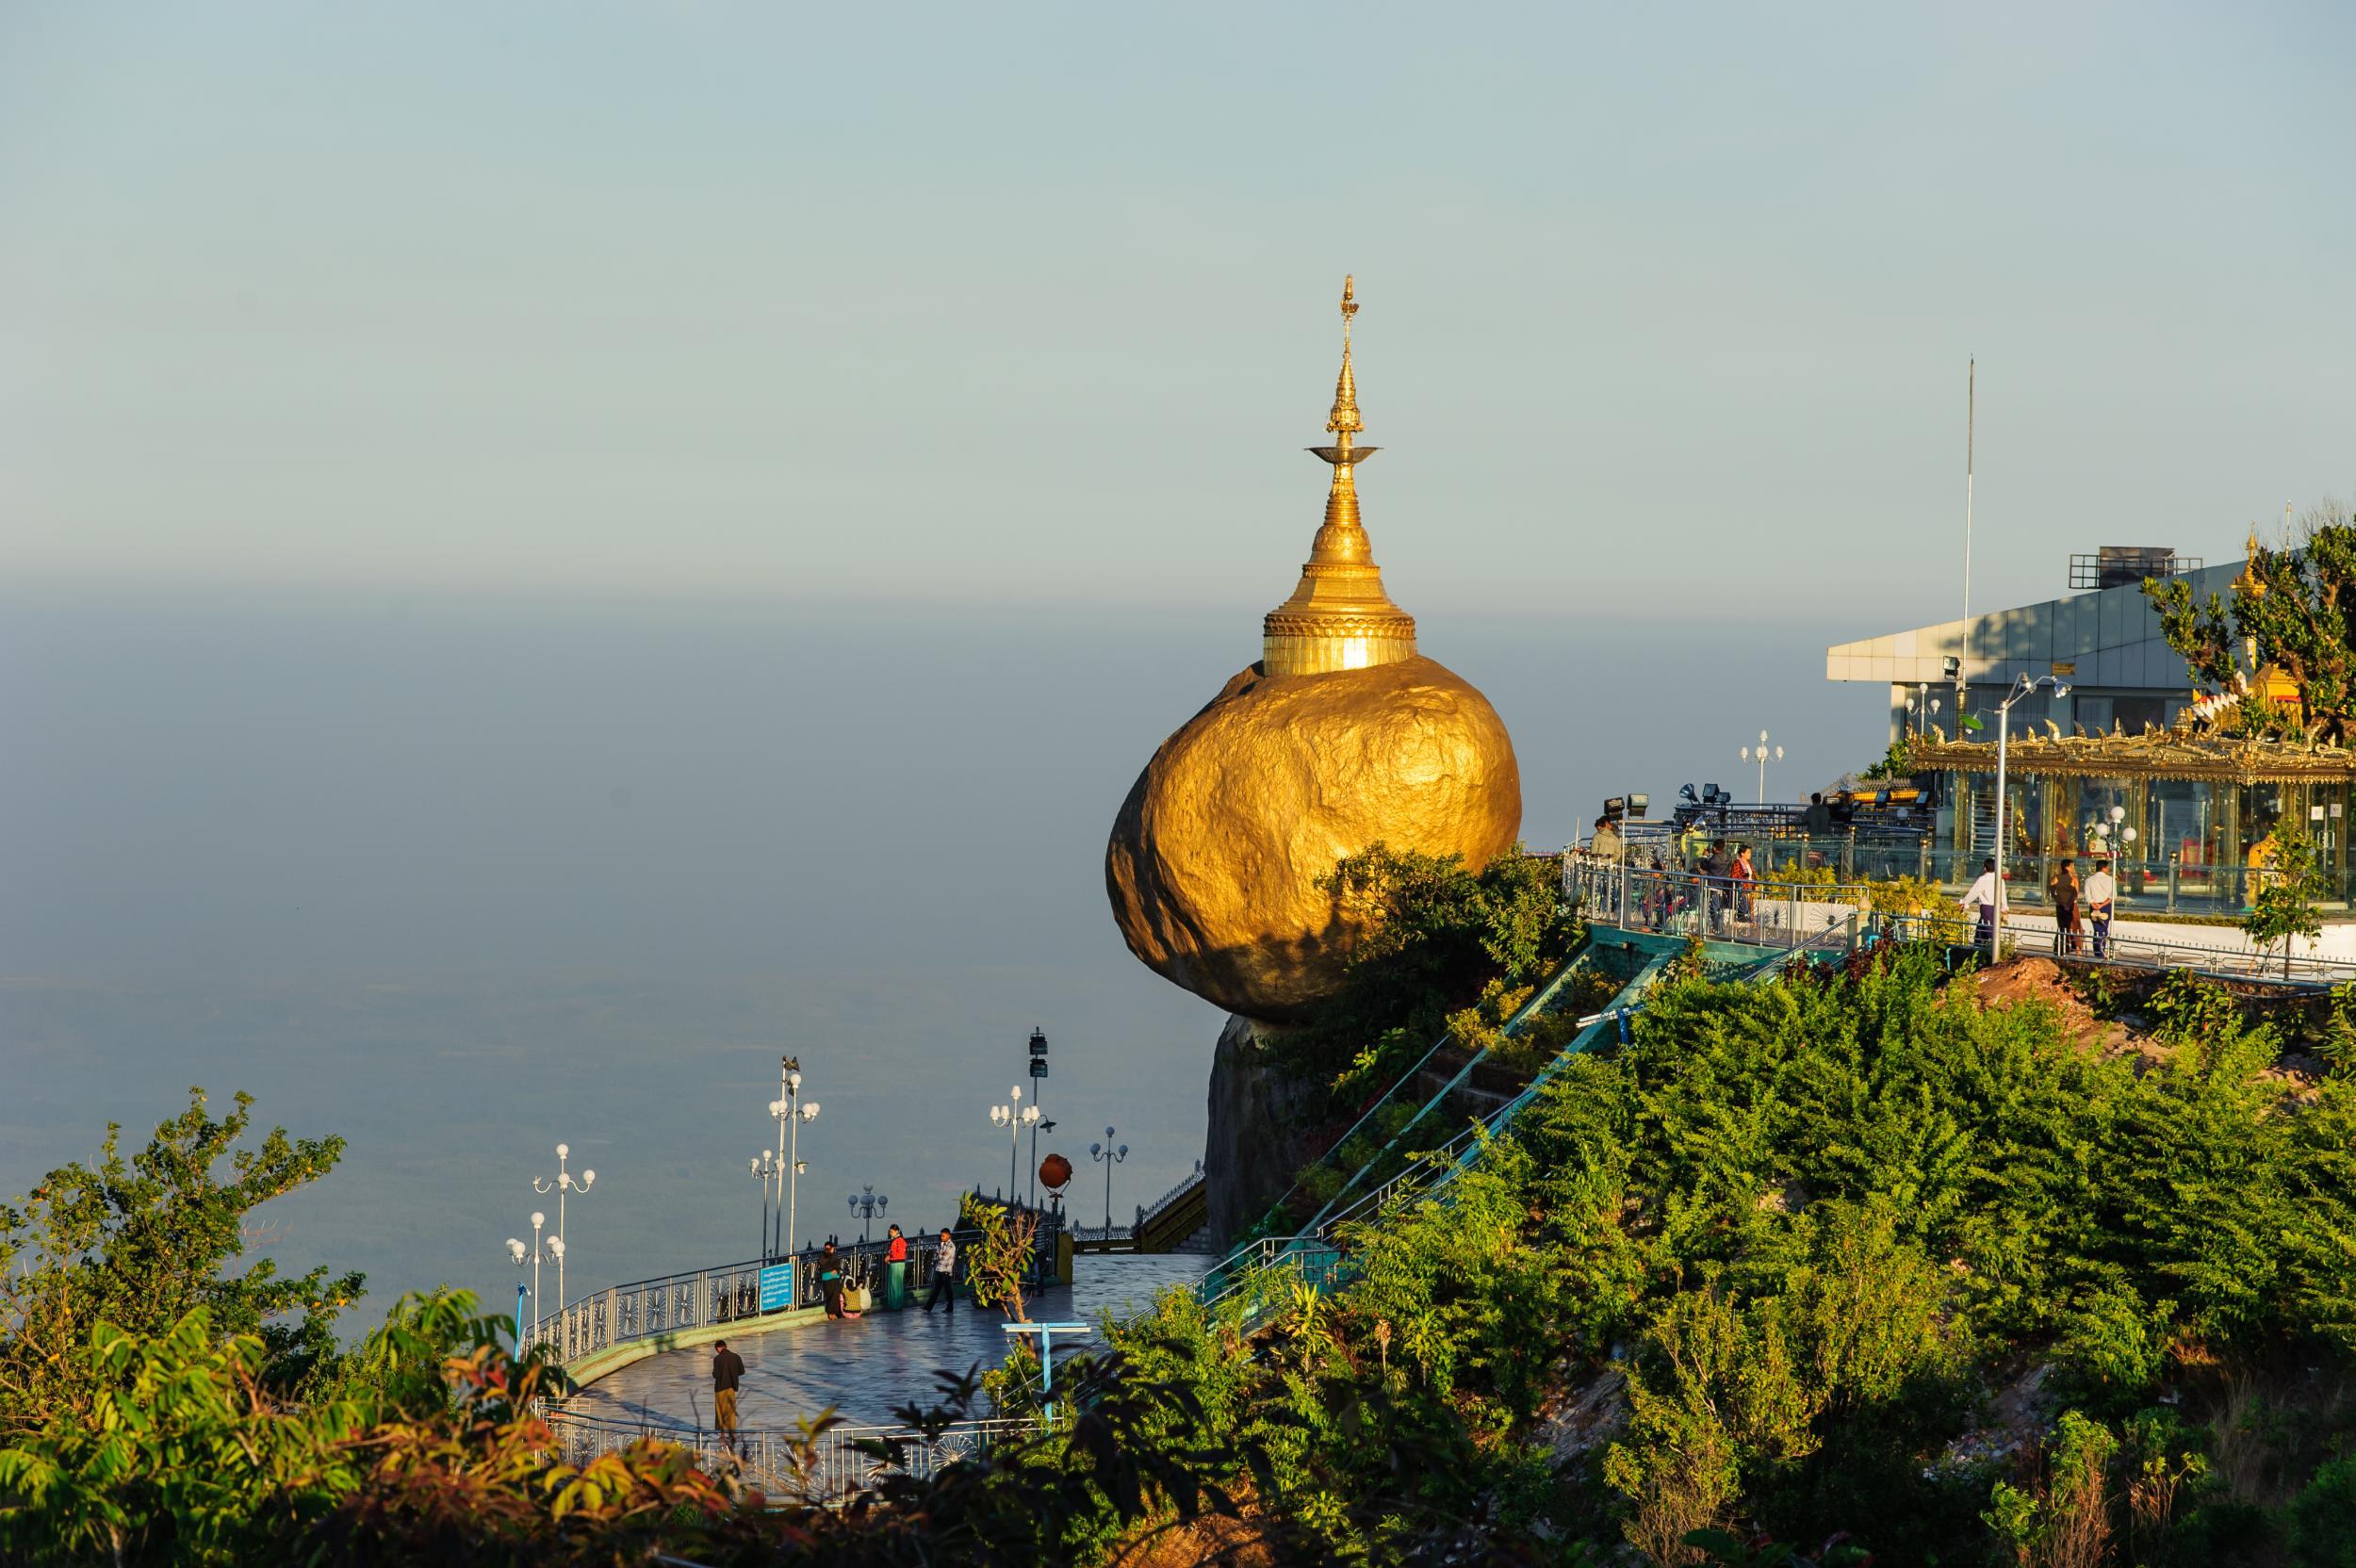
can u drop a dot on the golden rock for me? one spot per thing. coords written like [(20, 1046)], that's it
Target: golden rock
[(1341, 736)]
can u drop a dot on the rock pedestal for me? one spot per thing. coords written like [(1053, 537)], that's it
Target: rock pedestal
[(1250, 1153)]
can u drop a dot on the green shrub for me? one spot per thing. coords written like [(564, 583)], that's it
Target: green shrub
[(2322, 1519)]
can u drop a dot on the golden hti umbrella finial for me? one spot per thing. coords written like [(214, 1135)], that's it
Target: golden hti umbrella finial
[(1338, 617)]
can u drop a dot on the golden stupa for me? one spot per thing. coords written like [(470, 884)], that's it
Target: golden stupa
[(1341, 736)]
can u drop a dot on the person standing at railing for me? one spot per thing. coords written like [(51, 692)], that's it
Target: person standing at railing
[(2101, 894), (1606, 844), (896, 1271), (728, 1370), (2064, 888), (944, 1274), (1743, 881), (1988, 895)]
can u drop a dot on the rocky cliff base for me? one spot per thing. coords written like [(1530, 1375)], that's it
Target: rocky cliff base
[(1253, 1149)]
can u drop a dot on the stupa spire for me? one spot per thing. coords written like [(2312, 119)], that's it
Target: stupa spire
[(1338, 617)]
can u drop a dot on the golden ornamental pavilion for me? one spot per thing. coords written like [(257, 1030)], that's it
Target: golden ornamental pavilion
[(2128, 762)]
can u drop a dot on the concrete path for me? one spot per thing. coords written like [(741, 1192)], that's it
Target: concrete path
[(866, 1367)]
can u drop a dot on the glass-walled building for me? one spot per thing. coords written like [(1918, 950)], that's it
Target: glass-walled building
[(2192, 823)]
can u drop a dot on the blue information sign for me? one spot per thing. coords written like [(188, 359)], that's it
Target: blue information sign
[(776, 1286)]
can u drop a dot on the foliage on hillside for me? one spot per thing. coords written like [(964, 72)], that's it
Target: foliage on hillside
[(1846, 1262), (1827, 1232), (1441, 934), (165, 1223)]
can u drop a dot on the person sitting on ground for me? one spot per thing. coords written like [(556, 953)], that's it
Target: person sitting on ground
[(1988, 895), (944, 1275), (830, 1278), (728, 1370)]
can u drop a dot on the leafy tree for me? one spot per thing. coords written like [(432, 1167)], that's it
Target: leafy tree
[(139, 1243), (2295, 608), (1892, 764), (2283, 907), (1439, 933)]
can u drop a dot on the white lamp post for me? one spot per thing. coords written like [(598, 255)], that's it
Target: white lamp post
[(1013, 1118), (792, 1111), (563, 1186), (2021, 686), (552, 1249), (1106, 1156), (1759, 753), (765, 1170)]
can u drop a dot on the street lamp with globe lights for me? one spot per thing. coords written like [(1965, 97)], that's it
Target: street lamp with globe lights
[(865, 1205), (764, 1169), (553, 1250), (1758, 754), (792, 1111), (1106, 1156), (2022, 685), (564, 1184), (1013, 1118)]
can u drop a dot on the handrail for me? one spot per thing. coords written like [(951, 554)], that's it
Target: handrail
[(828, 1469), (661, 1304), (1160, 1205)]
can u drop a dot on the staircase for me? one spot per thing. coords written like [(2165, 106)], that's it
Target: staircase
[(1983, 823)]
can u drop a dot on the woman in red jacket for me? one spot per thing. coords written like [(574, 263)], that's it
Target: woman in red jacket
[(896, 1272)]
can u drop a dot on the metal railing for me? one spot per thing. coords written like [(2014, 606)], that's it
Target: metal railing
[(2137, 951), (731, 1293), (785, 1461), (1758, 912)]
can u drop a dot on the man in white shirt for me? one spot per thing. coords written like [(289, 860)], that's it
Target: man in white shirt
[(1988, 895), (2100, 890)]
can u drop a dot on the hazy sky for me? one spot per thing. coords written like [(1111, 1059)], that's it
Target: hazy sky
[(1666, 307)]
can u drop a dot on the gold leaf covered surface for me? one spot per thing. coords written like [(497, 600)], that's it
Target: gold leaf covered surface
[(1215, 854)]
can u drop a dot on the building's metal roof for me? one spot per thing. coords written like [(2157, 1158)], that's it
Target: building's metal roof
[(2112, 636)]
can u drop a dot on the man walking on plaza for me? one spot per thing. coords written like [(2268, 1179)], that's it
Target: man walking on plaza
[(944, 1275), (1989, 894), (2100, 891), (728, 1370)]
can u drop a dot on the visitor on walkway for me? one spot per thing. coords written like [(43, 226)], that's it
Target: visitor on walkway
[(728, 1370), (2064, 888), (830, 1278), (944, 1275), (1605, 845), (2101, 894), (896, 1271), (1744, 882), (1988, 895)]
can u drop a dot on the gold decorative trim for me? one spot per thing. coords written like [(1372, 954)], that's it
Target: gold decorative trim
[(2153, 754)]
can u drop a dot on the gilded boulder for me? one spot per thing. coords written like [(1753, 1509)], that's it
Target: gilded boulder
[(1217, 854)]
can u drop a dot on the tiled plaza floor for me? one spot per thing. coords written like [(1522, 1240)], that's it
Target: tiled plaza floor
[(866, 1367)]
